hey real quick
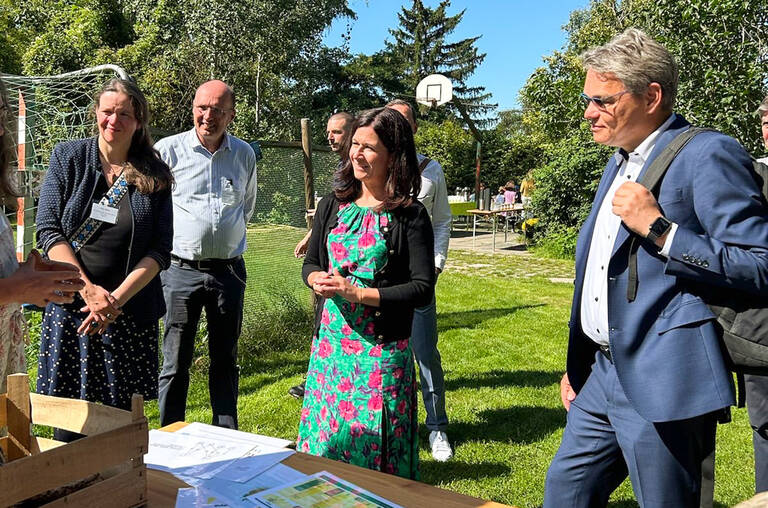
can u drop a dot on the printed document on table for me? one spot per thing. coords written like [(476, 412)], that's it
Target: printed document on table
[(196, 498), (237, 494), (321, 490), (205, 457), (213, 432)]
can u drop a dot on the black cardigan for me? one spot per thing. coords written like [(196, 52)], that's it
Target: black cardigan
[(407, 279)]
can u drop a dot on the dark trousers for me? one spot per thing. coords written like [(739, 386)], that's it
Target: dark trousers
[(187, 291), (757, 407), (605, 439)]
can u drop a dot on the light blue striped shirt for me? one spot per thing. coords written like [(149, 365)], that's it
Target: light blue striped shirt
[(214, 195)]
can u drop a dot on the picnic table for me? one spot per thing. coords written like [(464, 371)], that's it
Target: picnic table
[(516, 210), (162, 486)]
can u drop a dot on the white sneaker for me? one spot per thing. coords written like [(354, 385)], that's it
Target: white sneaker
[(441, 448)]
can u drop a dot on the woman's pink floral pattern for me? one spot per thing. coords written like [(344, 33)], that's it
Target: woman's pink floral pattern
[(352, 379)]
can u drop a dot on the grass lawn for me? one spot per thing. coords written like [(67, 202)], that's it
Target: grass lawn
[(503, 329)]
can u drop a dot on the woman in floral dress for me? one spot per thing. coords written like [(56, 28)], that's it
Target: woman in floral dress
[(34, 281), (370, 259)]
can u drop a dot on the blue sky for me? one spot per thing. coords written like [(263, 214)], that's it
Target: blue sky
[(516, 34)]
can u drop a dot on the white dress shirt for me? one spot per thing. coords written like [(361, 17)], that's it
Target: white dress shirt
[(594, 296), (434, 197), (214, 195)]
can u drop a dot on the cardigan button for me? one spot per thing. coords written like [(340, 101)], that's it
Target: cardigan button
[(391, 252), (380, 337), (377, 313)]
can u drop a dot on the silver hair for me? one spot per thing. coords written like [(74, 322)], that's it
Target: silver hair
[(637, 60), (763, 108)]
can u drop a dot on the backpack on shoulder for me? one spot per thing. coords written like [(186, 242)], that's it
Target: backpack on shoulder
[(742, 318)]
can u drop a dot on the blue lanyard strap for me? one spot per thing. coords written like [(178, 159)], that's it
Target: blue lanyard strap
[(112, 199)]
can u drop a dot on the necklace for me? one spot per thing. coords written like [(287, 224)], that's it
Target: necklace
[(112, 170)]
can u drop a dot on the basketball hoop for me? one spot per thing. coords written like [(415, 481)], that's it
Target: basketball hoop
[(434, 90)]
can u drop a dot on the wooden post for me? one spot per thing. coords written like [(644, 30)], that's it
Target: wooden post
[(18, 415), (25, 213), (309, 174)]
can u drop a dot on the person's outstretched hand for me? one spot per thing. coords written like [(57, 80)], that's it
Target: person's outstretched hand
[(39, 281)]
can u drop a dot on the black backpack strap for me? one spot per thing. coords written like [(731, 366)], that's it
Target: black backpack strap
[(423, 164), (651, 180), (741, 390)]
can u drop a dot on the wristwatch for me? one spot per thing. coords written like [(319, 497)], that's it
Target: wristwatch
[(658, 229)]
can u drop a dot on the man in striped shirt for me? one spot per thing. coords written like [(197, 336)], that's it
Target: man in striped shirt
[(213, 200)]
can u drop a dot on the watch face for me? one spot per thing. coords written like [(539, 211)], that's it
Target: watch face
[(660, 226)]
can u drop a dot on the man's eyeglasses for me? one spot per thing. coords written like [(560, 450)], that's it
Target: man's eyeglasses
[(602, 102), (213, 109)]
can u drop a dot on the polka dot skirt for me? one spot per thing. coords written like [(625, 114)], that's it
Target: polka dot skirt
[(106, 368)]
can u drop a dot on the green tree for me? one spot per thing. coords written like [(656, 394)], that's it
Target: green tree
[(421, 41), (268, 51), (721, 51), (453, 147)]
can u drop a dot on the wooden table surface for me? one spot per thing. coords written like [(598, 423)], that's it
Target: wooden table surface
[(162, 486)]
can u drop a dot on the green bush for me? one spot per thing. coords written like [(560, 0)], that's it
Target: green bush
[(565, 188), (559, 243)]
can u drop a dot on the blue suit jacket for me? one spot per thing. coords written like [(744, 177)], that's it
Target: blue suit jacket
[(664, 344)]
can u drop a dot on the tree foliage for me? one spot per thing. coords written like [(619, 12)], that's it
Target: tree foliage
[(268, 51), (421, 43), (722, 51)]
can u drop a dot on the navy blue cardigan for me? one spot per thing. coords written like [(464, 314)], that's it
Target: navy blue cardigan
[(65, 202)]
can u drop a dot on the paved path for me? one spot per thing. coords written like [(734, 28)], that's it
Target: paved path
[(483, 242)]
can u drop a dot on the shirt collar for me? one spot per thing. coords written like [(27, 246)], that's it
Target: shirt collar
[(194, 141), (645, 148)]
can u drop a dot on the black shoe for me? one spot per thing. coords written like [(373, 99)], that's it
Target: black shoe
[(298, 390)]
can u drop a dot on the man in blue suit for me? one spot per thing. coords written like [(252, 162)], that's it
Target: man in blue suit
[(646, 380)]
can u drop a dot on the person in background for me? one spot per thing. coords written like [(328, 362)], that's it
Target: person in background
[(370, 259), (434, 197), (337, 132), (526, 189), (510, 193), (757, 386), (103, 346), (499, 199), (36, 281), (213, 200), (646, 381)]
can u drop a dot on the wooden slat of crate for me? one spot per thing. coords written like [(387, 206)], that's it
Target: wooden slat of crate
[(43, 443), (77, 415), (126, 489), (17, 415), (24, 478)]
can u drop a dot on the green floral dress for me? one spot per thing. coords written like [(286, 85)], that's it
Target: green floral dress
[(360, 399)]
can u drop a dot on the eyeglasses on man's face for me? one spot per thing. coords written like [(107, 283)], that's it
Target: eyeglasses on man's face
[(203, 109), (602, 102)]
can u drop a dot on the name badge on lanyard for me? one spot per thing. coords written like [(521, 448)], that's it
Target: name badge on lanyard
[(104, 213)]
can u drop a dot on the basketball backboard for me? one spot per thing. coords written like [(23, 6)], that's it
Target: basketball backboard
[(434, 90)]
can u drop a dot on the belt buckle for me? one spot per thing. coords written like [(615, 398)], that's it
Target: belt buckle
[(205, 265)]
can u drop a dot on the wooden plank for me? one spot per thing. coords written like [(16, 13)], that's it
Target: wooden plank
[(44, 443), (17, 414), (3, 413), (77, 415), (73, 462), (162, 489), (126, 489), (11, 448), (163, 485), (394, 488)]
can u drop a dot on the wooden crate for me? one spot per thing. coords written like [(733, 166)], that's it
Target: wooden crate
[(106, 468)]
